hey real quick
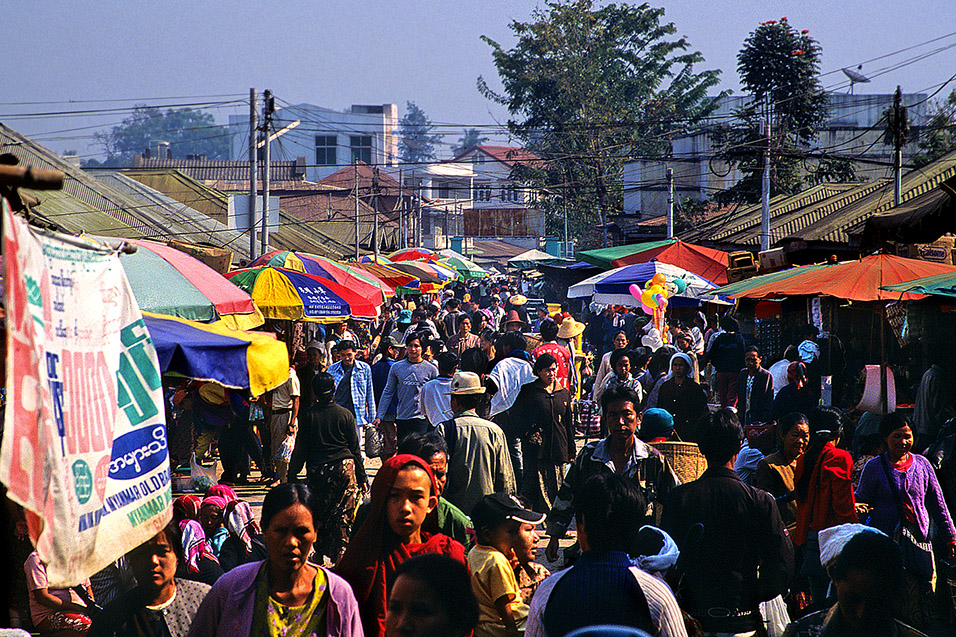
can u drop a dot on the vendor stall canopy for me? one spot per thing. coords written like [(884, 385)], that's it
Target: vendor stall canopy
[(858, 280), (706, 263)]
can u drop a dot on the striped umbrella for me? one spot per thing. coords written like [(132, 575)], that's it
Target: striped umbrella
[(415, 254), (167, 281), (351, 277), (286, 294)]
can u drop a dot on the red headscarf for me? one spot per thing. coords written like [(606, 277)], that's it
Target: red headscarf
[(797, 374), (186, 507), (375, 552)]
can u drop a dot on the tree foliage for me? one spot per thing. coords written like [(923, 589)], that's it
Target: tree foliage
[(587, 88), (472, 137), (779, 68), (189, 131), (416, 141), (938, 137)]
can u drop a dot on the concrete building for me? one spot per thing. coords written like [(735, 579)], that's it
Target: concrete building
[(328, 139), (853, 129)]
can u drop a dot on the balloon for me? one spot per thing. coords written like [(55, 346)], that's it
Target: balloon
[(661, 300), (635, 291), (647, 310), (681, 285), (658, 279), (647, 298), (662, 304)]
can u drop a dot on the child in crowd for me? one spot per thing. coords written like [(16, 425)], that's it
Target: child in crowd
[(621, 364), (506, 535)]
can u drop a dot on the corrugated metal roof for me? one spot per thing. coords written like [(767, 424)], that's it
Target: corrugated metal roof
[(823, 213), (185, 223), (185, 190), (75, 217), (206, 170)]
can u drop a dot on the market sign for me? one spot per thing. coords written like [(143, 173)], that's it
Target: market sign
[(84, 443)]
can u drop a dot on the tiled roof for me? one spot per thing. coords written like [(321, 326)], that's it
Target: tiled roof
[(345, 179), (510, 155)]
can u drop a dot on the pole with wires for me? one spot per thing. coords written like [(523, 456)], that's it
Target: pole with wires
[(765, 184), (253, 171), (267, 109), (670, 202), (356, 202), (375, 212)]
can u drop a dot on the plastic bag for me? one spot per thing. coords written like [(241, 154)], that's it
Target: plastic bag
[(202, 477), (374, 442), (284, 452), (775, 616)]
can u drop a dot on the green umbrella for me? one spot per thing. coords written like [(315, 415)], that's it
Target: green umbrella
[(937, 285), (465, 267), (762, 279)]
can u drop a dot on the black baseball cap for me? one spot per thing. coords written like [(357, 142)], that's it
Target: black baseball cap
[(497, 508)]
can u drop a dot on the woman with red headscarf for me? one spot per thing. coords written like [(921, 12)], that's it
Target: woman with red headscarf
[(796, 396), (403, 493)]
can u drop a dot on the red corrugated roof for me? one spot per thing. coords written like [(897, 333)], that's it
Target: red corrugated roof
[(510, 155)]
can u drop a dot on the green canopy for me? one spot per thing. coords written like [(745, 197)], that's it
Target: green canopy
[(938, 285), (467, 268), (762, 279), (603, 257)]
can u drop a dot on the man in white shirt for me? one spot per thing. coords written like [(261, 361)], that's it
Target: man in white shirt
[(282, 422), (434, 399)]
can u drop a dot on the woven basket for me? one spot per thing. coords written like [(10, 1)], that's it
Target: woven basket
[(684, 457)]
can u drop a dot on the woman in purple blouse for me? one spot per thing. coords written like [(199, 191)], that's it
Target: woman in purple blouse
[(903, 495)]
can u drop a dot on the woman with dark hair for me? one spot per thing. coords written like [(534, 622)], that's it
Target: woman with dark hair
[(541, 416), (161, 603), (403, 493), (284, 594), (479, 322), (824, 493), (211, 514), (431, 596), (796, 396), (774, 473), (619, 342), (199, 563), (904, 495), (622, 362)]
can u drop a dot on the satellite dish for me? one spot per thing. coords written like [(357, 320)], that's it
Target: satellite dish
[(855, 77)]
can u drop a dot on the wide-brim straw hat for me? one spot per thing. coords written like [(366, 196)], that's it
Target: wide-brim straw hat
[(570, 328), (465, 383), (513, 317), (518, 299)]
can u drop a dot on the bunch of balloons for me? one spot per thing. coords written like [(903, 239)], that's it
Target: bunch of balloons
[(656, 292)]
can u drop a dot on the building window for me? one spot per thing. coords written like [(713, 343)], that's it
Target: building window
[(444, 192), (325, 150), (361, 148), (481, 192)]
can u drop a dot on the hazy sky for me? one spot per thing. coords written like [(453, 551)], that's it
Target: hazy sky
[(337, 53)]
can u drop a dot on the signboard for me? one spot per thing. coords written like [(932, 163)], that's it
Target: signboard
[(84, 444)]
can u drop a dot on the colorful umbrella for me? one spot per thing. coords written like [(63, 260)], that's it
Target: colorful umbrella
[(388, 274), (231, 358), (859, 280), (467, 268), (414, 254), (763, 279), (615, 288), (705, 262), (421, 271), (351, 277), (286, 294), (167, 281)]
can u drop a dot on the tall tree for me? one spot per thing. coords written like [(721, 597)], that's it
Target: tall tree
[(779, 67), (938, 137), (416, 141), (587, 88), (189, 131), (472, 137)]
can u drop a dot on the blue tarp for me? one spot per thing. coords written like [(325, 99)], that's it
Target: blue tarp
[(195, 353)]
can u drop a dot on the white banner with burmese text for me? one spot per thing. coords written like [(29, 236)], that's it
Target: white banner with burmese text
[(84, 441)]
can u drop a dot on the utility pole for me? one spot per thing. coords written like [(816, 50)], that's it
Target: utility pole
[(765, 184), (670, 202), (900, 129), (375, 211), (356, 202), (402, 213), (267, 108), (253, 172), (564, 200), (418, 223)]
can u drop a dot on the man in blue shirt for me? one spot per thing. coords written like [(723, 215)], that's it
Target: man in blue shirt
[(353, 385)]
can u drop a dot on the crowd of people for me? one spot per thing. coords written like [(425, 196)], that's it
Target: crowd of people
[(804, 522)]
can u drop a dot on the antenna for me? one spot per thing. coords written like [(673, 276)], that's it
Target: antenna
[(856, 77)]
